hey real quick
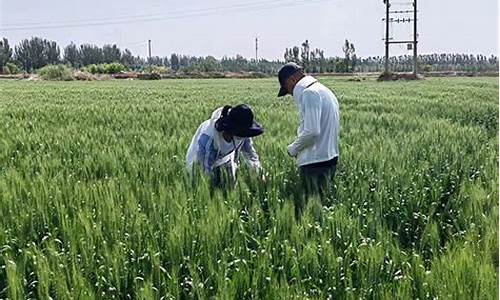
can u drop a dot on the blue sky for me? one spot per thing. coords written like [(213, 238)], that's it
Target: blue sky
[(218, 28)]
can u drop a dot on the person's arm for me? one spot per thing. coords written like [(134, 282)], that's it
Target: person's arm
[(207, 153), (311, 104), (250, 154)]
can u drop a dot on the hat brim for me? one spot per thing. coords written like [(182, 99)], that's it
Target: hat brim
[(282, 92), (246, 132)]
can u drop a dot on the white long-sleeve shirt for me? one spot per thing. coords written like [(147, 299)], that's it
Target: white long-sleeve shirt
[(318, 134)]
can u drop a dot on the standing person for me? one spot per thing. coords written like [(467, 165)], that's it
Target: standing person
[(217, 143), (316, 148)]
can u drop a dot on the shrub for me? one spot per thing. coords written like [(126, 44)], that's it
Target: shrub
[(56, 72), (94, 69), (112, 68), (426, 68), (5, 70), (13, 68), (156, 69)]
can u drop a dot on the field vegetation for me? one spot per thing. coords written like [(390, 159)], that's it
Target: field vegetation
[(95, 202)]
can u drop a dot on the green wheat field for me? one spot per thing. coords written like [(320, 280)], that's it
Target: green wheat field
[(95, 202)]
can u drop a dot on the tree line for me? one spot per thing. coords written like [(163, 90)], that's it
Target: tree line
[(34, 53), (432, 62), (314, 61)]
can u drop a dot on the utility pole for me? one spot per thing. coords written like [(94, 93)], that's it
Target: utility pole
[(256, 49), (149, 50), (387, 6), (415, 40), (412, 44)]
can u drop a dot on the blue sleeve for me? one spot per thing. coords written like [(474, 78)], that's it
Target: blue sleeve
[(207, 153)]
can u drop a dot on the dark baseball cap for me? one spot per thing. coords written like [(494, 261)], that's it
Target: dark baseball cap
[(284, 73)]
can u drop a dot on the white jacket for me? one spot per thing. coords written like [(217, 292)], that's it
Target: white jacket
[(318, 134), (206, 148)]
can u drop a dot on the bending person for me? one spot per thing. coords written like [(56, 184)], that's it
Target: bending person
[(217, 143)]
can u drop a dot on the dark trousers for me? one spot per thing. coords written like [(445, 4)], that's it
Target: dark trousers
[(222, 177), (317, 179)]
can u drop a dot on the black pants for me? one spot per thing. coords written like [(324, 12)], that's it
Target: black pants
[(317, 178), (222, 176)]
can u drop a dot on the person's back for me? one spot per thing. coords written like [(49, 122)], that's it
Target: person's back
[(319, 115), (326, 145)]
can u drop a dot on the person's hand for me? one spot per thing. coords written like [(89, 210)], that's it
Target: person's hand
[(263, 177), (290, 152)]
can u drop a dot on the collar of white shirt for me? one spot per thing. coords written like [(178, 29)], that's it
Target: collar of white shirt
[(301, 86)]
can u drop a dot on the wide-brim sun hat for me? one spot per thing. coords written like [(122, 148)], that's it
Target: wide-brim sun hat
[(240, 122)]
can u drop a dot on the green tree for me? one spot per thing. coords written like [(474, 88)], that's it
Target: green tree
[(127, 59), (349, 51), (52, 53), (305, 56), (166, 62), (111, 53), (5, 52), (317, 63), (174, 62), (32, 53), (91, 54), (289, 55), (210, 64), (72, 55), (155, 61), (295, 52)]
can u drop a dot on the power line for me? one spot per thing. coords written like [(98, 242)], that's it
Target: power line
[(134, 43), (241, 5), (165, 18), (399, 20), (401, 11), (401, 3)]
